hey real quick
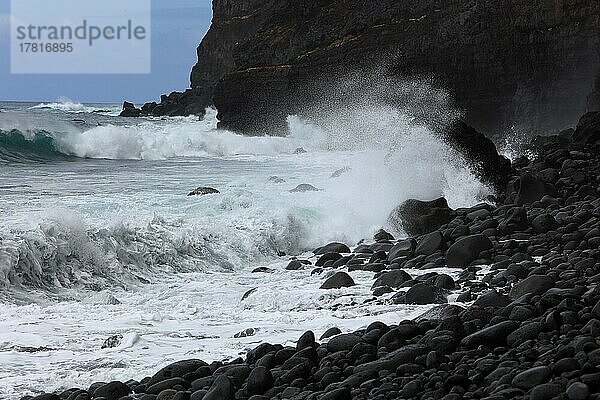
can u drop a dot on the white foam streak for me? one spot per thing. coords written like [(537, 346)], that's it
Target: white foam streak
[(179, 137), (67, 105)]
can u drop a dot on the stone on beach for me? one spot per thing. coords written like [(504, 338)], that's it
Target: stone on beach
[(338, 280), (416, 217)]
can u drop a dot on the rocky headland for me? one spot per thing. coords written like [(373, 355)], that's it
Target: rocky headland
[(530, 67), (529, 329)]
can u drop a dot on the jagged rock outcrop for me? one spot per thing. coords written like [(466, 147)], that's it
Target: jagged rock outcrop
[(528, 65), (190, 102)]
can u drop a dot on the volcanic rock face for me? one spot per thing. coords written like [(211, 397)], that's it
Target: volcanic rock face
[(532, 65)]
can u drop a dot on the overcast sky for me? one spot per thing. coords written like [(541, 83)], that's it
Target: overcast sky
[(177, 28)]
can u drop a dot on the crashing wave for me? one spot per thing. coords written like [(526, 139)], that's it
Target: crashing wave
[(68, 106)]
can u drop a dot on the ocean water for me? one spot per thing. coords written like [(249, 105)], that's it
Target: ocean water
[(99, 238)]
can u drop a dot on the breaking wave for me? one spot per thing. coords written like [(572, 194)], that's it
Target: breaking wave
[(384, 154), (69, 106), (148, 140)]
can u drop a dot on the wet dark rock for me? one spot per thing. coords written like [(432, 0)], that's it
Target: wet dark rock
[(203, 191), (393, 360), (382, 235), (112, 391), (337, 394), (327, 257), (176, 370), (249, 293), (306, 340), (343, 342), (332, 248), (578, 391), (480, 153), (492, 299), (545, 391), (340, 262), (300, 150), (524, 333), (246, 333), (112, 342), (262, 270), (440, 313), (404, 248), (259, 381), (490, 336), (330, 332), (392, 279), (337, 281), (544, 223), (304, 187), (130, 110), (535, 284), (276, 179), (166, 384), (341, 172), (46, 396), (444, 281), (294, 265), (588, 129), (423, 293), (530, 189), (417, 217), (532, 377), (467, 250), (464, 297), (221, 389), (430, 244), (514, 220)]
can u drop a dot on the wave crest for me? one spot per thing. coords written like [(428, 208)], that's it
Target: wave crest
[(64, 252)]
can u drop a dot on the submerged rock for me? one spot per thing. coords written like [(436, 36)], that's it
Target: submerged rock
[(249, 293), (112, 342), (341, 172), (276, 179), (202, 191), (245, 333), (305, 187), (262, 270), (300, 150)]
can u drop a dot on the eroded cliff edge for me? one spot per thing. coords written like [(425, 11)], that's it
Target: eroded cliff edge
[(529, 65)]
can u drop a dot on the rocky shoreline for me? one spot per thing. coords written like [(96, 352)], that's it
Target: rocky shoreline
[(530, 329)]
